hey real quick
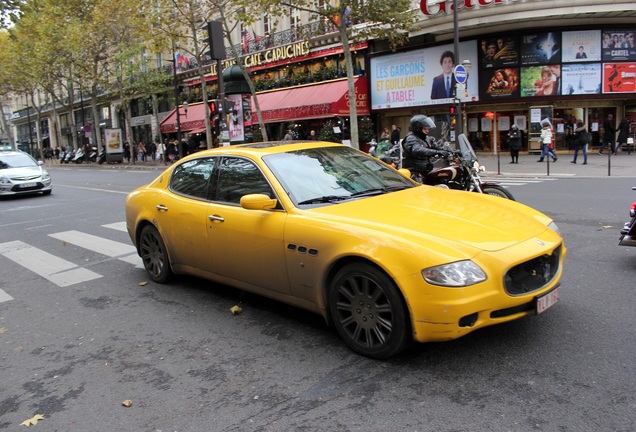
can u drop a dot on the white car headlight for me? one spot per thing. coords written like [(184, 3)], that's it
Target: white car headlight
[(4, 180), (457, 274), (45, 175), (553, 226)]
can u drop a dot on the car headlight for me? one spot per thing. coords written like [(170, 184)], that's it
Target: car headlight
[(457, 274), (4, 180), (46, 175), (553, 226)]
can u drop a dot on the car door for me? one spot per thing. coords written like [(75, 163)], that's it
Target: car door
[(184, 220), (246, 245)]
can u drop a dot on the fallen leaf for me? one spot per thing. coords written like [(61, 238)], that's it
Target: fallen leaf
[(606, 226), (64, 243), (127, 403), (3, 330), (236, 310), (33, 420), (144, 283)]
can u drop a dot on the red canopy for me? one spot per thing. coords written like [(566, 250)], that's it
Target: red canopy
[(313, 101), (194, 119)]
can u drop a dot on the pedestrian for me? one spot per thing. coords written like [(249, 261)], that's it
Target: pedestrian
[(395, 135), (141, 151), (609, 135), (57, 153), (581, 140), (312, 135), (623, 134), (126, 151), (288, 136), (546, 142), (385, 135), (515, 139), (161, 151)]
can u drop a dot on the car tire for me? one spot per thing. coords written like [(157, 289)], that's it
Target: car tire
[(47, 192), (369, 311), (154, 254)]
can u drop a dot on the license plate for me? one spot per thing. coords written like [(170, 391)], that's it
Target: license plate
[(546, 301), (28, 185)]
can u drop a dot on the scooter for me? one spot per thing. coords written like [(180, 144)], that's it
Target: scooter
[(101, 158), (92, 155), (67, 156), (79, 156), (628, 233)]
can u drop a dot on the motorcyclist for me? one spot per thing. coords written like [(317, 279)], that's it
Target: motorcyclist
[(419, 148)]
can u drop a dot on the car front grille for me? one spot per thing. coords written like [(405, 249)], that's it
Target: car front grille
[(532, 275), (17, 188)]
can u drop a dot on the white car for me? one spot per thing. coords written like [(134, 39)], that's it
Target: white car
[(21, 174)]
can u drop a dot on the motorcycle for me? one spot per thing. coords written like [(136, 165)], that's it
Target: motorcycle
[(67, 156), (101, 158), (628, 233), (79, 156), (92, 155), (452, 169)]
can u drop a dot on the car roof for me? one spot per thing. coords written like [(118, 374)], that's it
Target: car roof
[(261, 149)]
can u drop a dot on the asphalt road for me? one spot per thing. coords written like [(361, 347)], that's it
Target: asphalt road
[(74, 353)]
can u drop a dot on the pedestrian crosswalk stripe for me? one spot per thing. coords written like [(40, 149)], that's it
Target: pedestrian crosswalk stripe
[(119, 226), (57, 270), (4, 297), (122, 251)]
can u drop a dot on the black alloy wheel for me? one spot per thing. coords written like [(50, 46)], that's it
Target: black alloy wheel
[(154, 254), (369, 311)]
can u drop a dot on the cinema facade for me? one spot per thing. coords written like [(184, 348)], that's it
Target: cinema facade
[(529, 60)]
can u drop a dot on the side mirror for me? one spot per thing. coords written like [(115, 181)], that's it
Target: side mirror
[(258, 202)]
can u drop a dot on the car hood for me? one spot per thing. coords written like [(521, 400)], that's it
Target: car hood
[(22, 173), (425, 213)]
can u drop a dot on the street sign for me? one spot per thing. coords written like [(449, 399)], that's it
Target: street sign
[(461, 75), (460, 91)]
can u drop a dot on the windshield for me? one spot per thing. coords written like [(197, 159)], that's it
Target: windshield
[(16, 161), (328, 175), (467, 150)]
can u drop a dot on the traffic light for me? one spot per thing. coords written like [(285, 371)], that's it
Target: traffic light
[(213, 105), (452, 111)]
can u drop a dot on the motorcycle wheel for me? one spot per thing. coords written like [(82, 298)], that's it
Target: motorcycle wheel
[(497, 190)]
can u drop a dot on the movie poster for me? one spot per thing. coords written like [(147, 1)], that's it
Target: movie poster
[(581, 46), (540, 81), (497, 52), (502, 83), (581, 79), (541, 49), (237, 132), (421, 77), (618, 45), (619, 77)]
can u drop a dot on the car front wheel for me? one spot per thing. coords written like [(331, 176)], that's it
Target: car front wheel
[(154, 254), (369, 311)]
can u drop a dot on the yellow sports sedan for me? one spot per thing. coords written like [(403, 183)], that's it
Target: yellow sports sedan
[(332, 230)]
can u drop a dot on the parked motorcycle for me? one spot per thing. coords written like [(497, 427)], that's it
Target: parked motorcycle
[(92, 155), (453, 169), (79, 156), (67, 156), (628, 233)]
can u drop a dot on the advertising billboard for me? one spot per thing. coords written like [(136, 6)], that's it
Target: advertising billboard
[(581, 79), (619, 77), (581, 46)]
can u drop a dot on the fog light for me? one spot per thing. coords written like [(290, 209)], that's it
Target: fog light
[(468, 320)]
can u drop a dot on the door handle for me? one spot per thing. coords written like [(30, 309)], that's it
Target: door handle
[(216, 218), (161, 207)]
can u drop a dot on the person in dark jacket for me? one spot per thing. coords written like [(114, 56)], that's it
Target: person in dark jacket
[(419, 147), (395, 134), (580, 142), (623, 134), (515, 139), (609, 135)]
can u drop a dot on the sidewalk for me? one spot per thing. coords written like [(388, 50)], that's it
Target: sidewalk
[(623, 165)]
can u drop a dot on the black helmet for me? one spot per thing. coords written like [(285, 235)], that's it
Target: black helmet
[(419, 121)]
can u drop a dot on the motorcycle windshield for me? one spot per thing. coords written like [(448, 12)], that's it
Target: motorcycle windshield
[(466, 149)]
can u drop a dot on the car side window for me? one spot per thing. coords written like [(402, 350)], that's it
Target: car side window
[(192, 178), (238, 177)]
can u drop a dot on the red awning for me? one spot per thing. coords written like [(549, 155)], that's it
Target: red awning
[(194, 119), (313, 101)]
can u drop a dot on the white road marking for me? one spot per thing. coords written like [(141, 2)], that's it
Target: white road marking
[(122, 251), (57, 270), (4, 297), (119, 226)]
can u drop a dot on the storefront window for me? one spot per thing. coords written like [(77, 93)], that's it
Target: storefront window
[(564, 124), (595, 118)]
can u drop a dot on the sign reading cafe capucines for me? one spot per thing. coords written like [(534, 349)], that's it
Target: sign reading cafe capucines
[(272, 55)]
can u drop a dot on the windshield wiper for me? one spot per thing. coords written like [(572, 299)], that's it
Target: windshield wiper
[(378, 191), (325, 199)]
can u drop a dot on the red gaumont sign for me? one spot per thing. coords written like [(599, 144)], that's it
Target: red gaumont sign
[(436, 7)]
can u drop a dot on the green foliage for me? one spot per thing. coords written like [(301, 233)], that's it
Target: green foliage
[(366, 131), (327, 133)]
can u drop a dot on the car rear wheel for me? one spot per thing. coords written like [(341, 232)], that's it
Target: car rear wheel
[(154, 254), (369, 311)]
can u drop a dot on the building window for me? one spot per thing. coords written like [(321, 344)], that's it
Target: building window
[(267, 24)]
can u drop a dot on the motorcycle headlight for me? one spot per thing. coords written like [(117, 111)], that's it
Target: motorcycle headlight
[(457, 274)]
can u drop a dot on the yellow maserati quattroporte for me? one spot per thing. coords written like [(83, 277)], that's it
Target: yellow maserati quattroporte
[(332, 230)]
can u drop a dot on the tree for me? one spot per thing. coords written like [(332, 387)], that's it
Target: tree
[(355, 20)]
